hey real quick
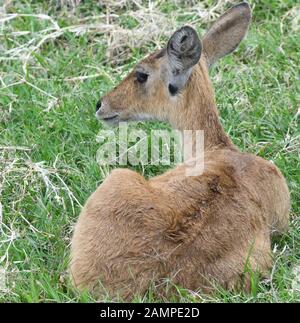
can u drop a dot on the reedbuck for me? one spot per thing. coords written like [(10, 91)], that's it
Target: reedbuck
[(197, 231)]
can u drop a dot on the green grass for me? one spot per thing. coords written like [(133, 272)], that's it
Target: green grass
[(44, 183)]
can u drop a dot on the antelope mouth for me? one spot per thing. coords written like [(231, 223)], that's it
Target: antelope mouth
[(110, 119)]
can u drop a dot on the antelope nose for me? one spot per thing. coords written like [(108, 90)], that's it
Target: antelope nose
[(98, 105)]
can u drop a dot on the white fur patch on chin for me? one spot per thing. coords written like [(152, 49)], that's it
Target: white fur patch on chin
[(143, 116)]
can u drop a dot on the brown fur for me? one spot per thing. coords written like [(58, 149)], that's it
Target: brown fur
[(193, 230)]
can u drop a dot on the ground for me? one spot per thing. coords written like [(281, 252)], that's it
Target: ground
[(56, 60)]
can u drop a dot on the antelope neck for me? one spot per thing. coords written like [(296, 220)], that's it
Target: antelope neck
[(199, 111)]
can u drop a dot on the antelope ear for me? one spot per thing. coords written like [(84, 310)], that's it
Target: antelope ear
[(227, 32), (183, 49)]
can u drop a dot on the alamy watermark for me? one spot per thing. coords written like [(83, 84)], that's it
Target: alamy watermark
[(2, 270), (135, 147), (2, 280)]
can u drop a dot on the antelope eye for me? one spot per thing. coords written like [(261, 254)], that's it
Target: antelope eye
[(141, 77)]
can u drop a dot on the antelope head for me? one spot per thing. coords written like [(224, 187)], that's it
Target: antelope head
[(172, 84)]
